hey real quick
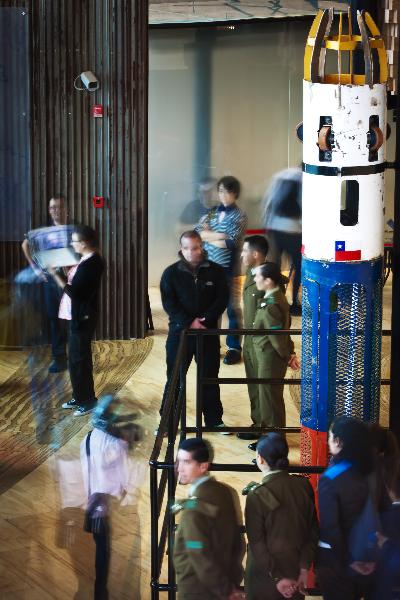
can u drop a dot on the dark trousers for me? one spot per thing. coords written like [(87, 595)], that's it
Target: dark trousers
[(80, 363), (58, 329), (281, 241), (234, 316), (212, 407), (338, 582), (102, 562)]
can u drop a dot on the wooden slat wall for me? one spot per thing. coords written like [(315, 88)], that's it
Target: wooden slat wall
[(79, 156), (389, 11)]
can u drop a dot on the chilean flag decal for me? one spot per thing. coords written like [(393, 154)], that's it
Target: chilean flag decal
[(341, 254)]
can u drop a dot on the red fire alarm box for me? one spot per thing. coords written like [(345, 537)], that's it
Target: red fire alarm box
[(97, 111), (98, 201)]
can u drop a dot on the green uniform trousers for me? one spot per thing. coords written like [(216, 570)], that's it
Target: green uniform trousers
[(271, 405), (251, 371)]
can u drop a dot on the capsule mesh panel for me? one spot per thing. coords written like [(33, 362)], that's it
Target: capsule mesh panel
[(376, 343), (307, 400), (346, 351)]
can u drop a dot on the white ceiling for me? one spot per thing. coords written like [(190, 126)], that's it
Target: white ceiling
[(203, 11)]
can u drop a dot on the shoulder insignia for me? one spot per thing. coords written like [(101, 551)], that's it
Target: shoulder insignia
[(191, 502), (250, 487), (267, 302), (194, 545), (179, 505)]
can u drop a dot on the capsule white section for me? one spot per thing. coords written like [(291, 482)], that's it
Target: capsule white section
[(336, 216), (321, 219), (350, 108)]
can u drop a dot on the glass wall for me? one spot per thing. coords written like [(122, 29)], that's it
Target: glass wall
[(221, 101)]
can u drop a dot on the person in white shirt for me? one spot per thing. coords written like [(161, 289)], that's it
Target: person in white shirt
[(107, 477)]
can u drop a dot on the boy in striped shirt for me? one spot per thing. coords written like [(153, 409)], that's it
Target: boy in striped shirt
[(222, 232)]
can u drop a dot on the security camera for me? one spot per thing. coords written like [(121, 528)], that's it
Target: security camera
[(90, 81)]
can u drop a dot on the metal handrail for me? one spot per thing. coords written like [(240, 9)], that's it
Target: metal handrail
[(175, 413)]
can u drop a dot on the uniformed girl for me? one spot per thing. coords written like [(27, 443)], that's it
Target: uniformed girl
[(272, 353), (281, 526)]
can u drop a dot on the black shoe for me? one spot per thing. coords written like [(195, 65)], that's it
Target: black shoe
[(70, 404), (295, 310), (84, 410), (58, 366), (254, 461), (252, 446), (248, 435), (232, 357)]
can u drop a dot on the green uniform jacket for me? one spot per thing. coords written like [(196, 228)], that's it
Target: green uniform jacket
[(251, 298), (209, 546), (282, 530), (273, 313)]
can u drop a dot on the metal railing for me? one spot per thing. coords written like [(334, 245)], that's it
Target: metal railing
[(173, 416)]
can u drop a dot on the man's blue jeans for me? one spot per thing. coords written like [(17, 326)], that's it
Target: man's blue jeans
[(234, 316)]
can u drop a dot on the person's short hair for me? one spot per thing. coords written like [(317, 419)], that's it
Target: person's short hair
[(200, 450), (191, 234), (231, 184), (272, 271), (274, 449), (257, 243), (87, 234), (57, 197)]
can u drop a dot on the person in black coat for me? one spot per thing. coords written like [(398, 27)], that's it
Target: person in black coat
[(387, 580), (342, 493), (79, 306), (194, 294)]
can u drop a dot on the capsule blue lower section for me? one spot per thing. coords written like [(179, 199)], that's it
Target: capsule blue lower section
[(341, 341)]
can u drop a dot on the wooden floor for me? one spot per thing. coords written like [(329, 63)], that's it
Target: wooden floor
[(44, 553)]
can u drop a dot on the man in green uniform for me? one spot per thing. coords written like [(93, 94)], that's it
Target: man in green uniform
[(209, 546), (272, 353), (254, 254)]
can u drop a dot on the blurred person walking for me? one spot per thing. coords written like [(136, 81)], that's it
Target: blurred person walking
[(79, 306), (209, 545), (282, 214), (52, 293), (222, 231), (107, 476), (281, 526), (197, 210)]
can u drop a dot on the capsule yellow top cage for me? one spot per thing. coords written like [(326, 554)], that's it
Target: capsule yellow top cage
[(320, 41)]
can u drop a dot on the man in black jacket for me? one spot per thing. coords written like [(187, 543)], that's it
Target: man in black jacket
[(194, 294), (79, 307)]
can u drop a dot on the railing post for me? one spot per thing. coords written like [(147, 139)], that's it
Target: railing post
[(199, 384), (171, 528), (394, 404), (154, 532), (183, 372)]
